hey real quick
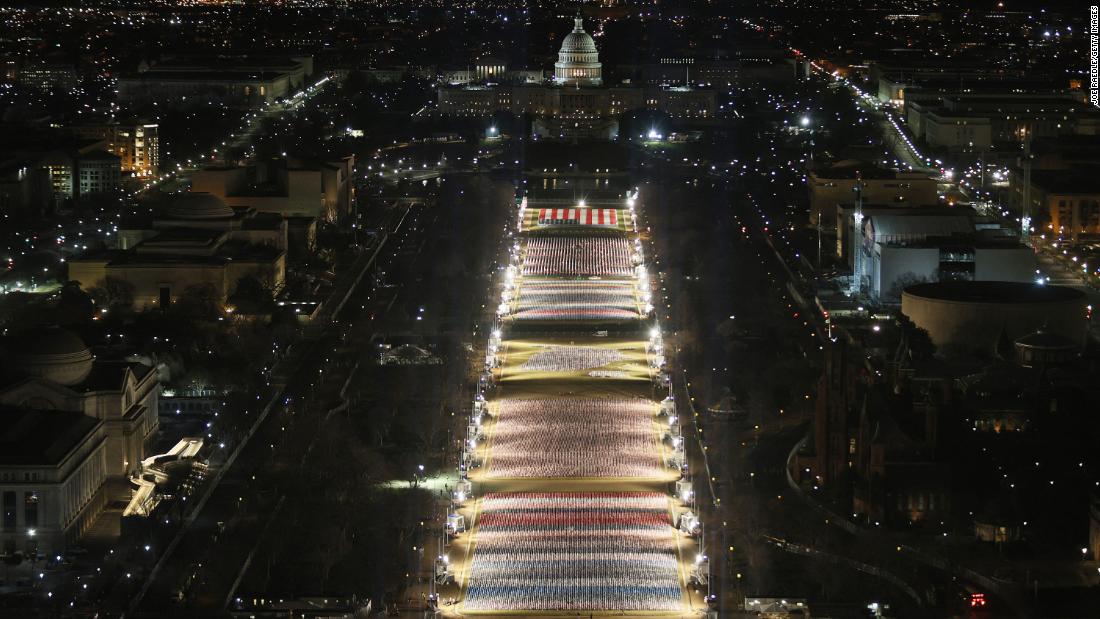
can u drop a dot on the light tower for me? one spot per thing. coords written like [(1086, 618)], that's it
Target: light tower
[(1025, 211), (856, 286)]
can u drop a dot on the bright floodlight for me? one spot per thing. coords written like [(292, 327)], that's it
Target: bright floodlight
[(805, 121), (653, 135), (492, 130)]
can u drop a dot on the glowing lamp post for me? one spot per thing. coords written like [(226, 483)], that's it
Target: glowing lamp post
[(806, 124)]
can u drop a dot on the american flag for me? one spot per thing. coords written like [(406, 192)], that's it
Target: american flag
[(607, 217)]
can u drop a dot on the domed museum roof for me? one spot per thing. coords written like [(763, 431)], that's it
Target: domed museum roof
[(578, 41), (52, 353), (197, 205)]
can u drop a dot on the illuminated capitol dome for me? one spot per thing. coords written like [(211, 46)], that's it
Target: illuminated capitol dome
[(578, 61)]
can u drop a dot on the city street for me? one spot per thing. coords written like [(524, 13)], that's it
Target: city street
[(210, 562), (746, 348)]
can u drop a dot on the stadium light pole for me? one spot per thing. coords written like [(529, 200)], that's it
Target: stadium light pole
[(807, 124)]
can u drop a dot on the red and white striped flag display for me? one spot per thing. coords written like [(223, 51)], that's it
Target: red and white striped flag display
[(601, 217)]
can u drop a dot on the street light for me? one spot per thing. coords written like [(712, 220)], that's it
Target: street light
[(805, 122)]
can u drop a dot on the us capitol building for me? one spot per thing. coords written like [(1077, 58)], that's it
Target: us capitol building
[(574, 103)]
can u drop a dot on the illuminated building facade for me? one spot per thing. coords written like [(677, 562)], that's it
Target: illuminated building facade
[(576, 102), (72, 428), (292, 188), (1065, 202), (578, 60), (195, 241), (98, 172), (137, 144)]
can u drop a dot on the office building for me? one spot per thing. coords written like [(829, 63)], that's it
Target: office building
[(136, 143)]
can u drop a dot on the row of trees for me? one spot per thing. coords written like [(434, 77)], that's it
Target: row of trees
[(197, 301), (187, 338)]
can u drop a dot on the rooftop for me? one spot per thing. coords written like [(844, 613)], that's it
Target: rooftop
[(1047, 341), (1033, 104), (227, 252), (213, 75), (1068, 145), (898, 224), (994, 292), (46, 341), (39, 437), (1078, 180), (196, 205), (101, 155)]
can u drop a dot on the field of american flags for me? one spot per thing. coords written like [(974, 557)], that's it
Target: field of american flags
[(572, 467), (575, 438), (598, 551), (575, 300)]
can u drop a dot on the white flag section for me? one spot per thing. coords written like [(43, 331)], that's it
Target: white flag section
[(574, 551), (601, 217)]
